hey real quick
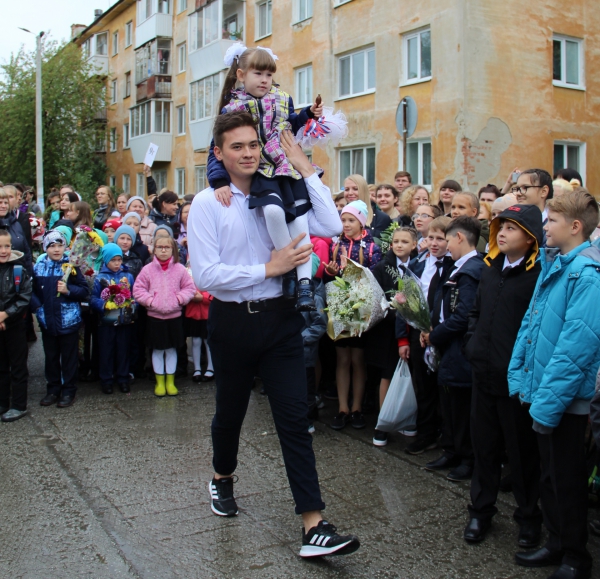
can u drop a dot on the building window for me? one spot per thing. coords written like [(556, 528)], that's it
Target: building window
[(182, 55), (126, 184), (102, 44), (204, 97), (85, 47), (264, 18), (140, 187), (357, 73), (304, 86), (113, 140), (113, 92), (160, 178), (112, 181), (141, 119), (162, 117), (418, 161), (142, 115), (360, 160), (567, 62), (128, 34), (115, 43), (145, 10), (127, 84), (164, 6), (180, 182), (569, 154), (152, 59), (340, 2), (126, 136), (200, 177), (303, 9), (181, 120), (181, 6), (204, 26), (417, 56), (101, 143)]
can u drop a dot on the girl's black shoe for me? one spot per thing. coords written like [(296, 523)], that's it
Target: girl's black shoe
[(306, 296)]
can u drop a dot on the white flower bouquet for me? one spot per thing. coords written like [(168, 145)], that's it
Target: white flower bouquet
[(355, 302)]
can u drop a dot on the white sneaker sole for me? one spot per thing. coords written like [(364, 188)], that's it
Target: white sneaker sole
[(212, 506), (315, 551), (409, 433), (379, 442)]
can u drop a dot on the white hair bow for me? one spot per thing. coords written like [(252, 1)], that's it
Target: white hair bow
[(234, 52), (269, 52)]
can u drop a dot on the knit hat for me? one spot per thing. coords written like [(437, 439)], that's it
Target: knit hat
[(132, 199), (109, 251), (113, 223), (66, 231), (53, 236), (166, 228), (529, 219), (358, 209), (125, 230), (132, 214)]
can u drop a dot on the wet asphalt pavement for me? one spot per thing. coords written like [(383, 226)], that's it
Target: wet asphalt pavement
[(116, 487)]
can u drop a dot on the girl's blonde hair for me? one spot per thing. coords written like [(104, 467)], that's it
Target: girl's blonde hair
[(564, 185), (251, 58), (84, 213), (407, 198), (363, 193), (488, 207)]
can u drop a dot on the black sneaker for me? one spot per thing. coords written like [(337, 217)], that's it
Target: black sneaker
[(340, 421), (324, 540), (420, 446), (357, 419), (222, 502), (306, 296), (380, 438)]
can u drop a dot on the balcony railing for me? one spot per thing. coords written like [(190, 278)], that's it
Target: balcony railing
[(154, 87)]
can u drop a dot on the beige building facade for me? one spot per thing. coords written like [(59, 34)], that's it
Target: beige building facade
[(496, 85)]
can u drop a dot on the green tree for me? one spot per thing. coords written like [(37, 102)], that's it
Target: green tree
[(73, 99)]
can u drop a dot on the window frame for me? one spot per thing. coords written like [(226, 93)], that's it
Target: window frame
[(564, 143), (114, 91), (199, 169), (269, 19), (126, 178), (405, 57), (195, 16), (125, 135), (112, 139), (149, 117), (96, 36), (181, 6), (214, 93), (306, 68), (112, 181), (140, 184), (297, 17), (419, 177), (115, 43), (127, 85), (181, 119), (349, 55), (181, 57), (180, 181), (351, 150), (129, 34), (563, 39), (158, 175)]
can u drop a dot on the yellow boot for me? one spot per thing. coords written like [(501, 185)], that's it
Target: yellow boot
[(171, 389), (159, 389)]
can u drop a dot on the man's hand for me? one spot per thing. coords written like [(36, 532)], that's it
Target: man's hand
[(404, 352), (61, 288), (317, 109), (425, 339), (288, 258), (295, 154), (223, 195)]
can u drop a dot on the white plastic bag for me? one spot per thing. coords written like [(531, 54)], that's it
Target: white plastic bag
[(399, 410)]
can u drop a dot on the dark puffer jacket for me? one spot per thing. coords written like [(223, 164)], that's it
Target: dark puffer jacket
[(11, 224), (14, 303)]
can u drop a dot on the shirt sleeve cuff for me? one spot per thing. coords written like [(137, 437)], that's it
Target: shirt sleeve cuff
[(402, 342), (259, 272), (314, 181)]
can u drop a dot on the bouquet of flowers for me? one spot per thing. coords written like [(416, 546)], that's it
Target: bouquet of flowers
[(385, 239), (87, 244), (410, 302), (119, 304), (355, 302), (330, 127)]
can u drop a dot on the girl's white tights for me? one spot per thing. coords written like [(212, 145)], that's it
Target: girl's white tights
[(282, 233), (164, 361), (196, 352)]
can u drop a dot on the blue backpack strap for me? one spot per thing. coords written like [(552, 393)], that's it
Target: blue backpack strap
[(18, 276)]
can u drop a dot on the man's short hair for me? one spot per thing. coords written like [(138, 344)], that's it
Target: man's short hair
[(440, 223), (489, 188), (474, 200), (403, 174), (470, 227), (578, 205), (229, 122), (5, 233), (540, 177)]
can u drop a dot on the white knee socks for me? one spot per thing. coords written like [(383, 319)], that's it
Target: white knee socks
[(196, 351), (164, 361)]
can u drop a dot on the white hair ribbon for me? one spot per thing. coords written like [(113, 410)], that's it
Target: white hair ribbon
[(234, 52), (269, 52)]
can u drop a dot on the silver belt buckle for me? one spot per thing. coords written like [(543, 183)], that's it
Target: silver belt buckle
[(249, 306)]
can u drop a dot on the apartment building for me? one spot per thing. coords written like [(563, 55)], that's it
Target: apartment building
[(497, 85)]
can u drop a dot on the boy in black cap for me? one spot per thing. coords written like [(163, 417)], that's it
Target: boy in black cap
[(499, 422)]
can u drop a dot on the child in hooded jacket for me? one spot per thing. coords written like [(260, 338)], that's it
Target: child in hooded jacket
[(164, 287)]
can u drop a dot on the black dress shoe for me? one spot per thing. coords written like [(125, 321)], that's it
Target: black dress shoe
[(529, 536), (49, 400), (476, 530), (443, 463), (66, 400), (541, 558), (124, 388), (568, 572), (461, 473), (107, 388)]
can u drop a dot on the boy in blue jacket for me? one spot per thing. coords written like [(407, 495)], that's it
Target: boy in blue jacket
[(553, 370), (115, 332), (56, 305)]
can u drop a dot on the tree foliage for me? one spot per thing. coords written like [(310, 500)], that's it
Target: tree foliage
[(73, 99)]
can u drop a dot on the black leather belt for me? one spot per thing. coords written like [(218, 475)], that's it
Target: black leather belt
[(259, 306)]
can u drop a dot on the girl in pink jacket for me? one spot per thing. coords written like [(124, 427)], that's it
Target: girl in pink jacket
[(164, 287)]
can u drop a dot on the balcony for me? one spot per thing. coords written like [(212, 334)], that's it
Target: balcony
[(139, 146), (208, 60), (101, 114), (154, 87), (201, 132), (99, 64), (155, 25)]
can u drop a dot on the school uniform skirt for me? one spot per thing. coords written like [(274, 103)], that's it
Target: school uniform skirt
[(381, 348), (195, 328), (164, 334), (288, 191)]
